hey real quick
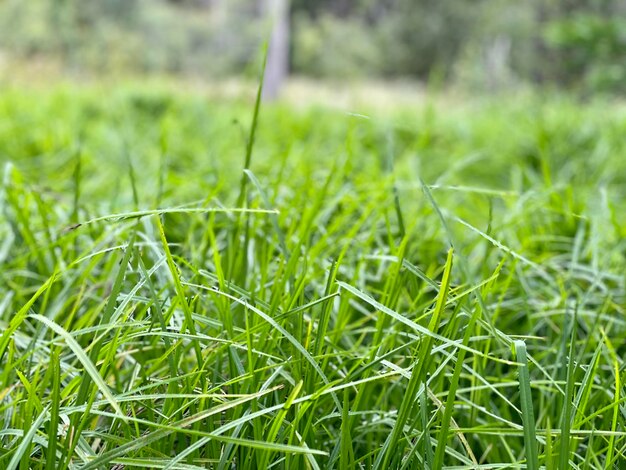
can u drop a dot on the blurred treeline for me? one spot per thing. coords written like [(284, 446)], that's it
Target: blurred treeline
[(576, 44)]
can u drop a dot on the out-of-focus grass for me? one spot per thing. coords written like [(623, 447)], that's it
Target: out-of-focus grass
[(352, 300)]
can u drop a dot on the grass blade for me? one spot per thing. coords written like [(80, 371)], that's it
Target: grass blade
[(528, 416)]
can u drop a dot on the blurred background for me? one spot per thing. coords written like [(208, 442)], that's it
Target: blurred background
[(478, 45)]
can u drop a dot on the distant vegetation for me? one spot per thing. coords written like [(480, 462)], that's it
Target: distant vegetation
[(481, 44)]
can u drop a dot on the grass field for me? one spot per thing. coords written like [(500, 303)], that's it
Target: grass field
[(183, 285)]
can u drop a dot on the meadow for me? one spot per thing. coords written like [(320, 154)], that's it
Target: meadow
[(190, 282)]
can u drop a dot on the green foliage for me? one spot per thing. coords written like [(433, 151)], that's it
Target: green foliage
[(333, 48), (419, 39), (399, 39), (593, 49), (117, 36), (161, 309)]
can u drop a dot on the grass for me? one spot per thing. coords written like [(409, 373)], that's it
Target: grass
[(184, 285)]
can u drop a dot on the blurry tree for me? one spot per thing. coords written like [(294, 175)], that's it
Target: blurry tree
[(277, 66)]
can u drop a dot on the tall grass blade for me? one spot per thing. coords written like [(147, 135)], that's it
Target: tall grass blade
[(528, 415)]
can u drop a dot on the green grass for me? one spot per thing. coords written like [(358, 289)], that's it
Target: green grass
[(442, 286)]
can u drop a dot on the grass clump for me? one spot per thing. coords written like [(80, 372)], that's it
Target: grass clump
[(353, 299)]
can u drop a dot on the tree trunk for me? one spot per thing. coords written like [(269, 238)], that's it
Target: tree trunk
[(277, 67)]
